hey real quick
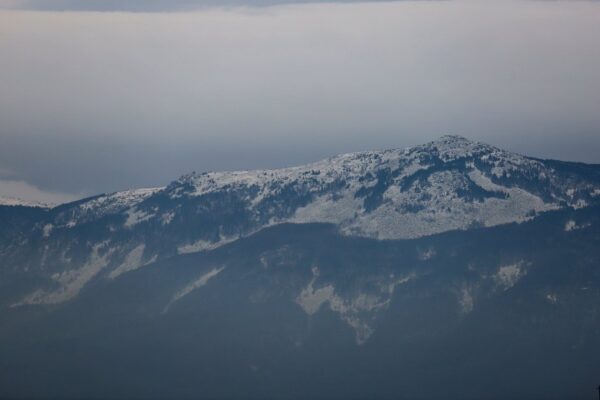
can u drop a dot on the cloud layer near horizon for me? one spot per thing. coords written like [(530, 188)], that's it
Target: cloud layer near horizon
[(95, 102)]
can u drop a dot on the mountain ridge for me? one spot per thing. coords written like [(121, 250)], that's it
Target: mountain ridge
[(383, 270), (451, 142), (449, 184)]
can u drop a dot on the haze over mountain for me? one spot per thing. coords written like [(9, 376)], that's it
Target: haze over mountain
[(96, 98), (368, 274)]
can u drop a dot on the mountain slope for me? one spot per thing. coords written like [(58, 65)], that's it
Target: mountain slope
[(300, 311), (449, 184), (365, 275)]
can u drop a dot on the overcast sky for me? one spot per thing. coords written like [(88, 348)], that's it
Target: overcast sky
[(97, 98)]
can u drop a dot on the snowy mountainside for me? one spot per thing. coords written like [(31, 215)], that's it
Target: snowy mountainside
[(95, 208), (452, 183), (449, 184), (384, 270), (301, 305), (380, 194), (17, 202)]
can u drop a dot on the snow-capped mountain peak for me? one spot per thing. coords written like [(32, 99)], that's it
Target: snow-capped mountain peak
[(14, 201), (449, 184)]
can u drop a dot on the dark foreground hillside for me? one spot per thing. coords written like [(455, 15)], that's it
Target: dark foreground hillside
[(299, 311)]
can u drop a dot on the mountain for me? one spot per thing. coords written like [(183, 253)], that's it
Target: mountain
[(364, 275), (17, 202)]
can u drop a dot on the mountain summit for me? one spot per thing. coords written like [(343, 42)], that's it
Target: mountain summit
[(449, 184), (384, 270)]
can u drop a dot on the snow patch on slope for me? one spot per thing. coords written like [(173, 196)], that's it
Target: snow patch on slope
[(357, 310), (135, 217), (167, 218), (508, 275), (552, 298), (571, 225), (466, 300), (341, 210), (426, 254), (198, 283), (47, 230), (311, 299), (204, 245), (133, 261), (71, 282), (439, 208)]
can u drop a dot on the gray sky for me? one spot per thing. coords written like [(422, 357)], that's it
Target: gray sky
[(147, 5), (102, 101)]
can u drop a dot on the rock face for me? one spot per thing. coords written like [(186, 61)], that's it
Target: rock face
[(380, 270)]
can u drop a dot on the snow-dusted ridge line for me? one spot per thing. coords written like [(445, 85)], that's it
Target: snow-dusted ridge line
[(448, 184), (14, 202), (452, 146), (73, 214), (119, 200)]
